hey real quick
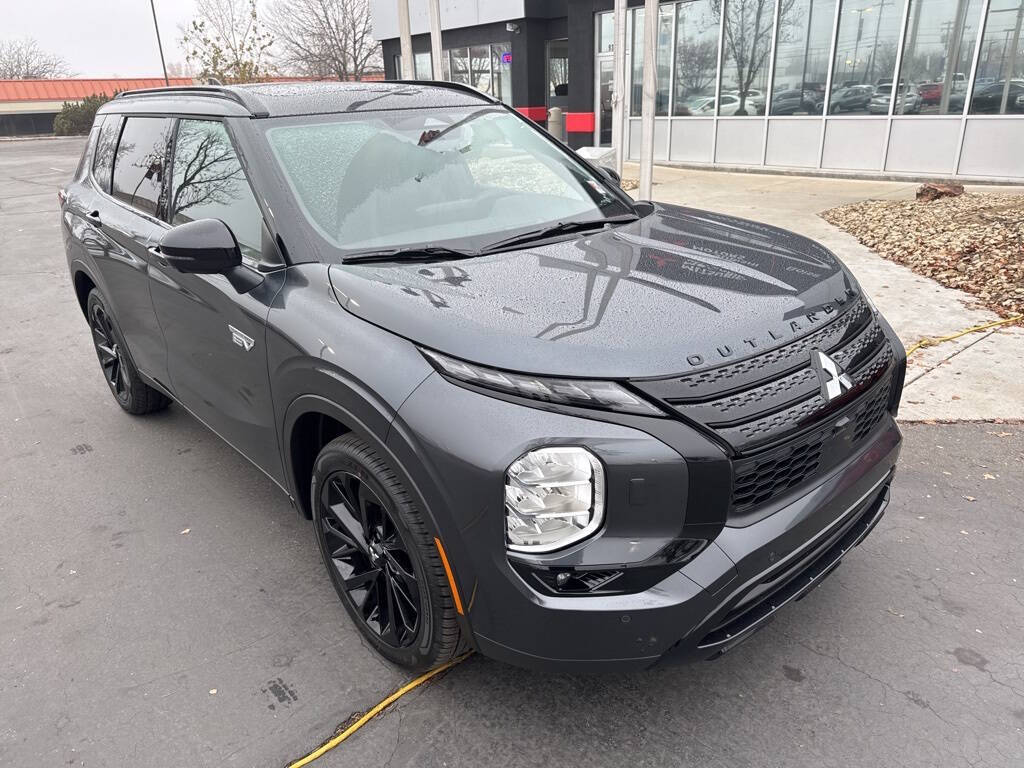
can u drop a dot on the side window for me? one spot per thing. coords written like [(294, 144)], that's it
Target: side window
[(139, 163), (207, 182), (103, 158)]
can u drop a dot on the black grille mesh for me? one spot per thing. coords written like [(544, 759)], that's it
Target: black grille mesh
[(768, 477)]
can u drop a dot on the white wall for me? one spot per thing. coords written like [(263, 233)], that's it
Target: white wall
[(454, 14)]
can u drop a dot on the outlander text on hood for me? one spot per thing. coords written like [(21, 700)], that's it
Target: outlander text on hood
[(525, 414)]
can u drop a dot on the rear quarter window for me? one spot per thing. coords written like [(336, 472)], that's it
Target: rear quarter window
[(103, 156), (140, 161)]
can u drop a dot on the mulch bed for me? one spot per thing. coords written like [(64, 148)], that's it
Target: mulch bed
[(974, 242)]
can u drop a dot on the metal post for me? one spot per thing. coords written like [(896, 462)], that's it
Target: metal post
[(408, 64), (159, 45), (650, 75), (435, 40), (1011, 65), (620, 137), (955, 38)]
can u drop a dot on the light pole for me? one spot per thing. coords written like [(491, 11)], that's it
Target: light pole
[(619, 84), (408, 65), (436, 53), (647, 106), (159, 45)]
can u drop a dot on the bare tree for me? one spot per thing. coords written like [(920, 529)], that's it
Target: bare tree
[(748, 39), (227, 40), (695, 67), (25, 60), (326, 38)]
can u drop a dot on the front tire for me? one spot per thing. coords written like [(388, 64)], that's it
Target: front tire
[(126, 385), (381, 559)]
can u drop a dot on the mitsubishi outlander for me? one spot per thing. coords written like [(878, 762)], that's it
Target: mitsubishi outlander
[(525, 413)]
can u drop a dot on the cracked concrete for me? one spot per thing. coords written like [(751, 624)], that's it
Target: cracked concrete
[(976, 377), (115, 627)]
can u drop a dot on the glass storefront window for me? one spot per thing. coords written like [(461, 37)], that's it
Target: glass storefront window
[(460, 65), (937, 55), (748, 45), (999, 82), (696, 62), (801, 56), (421, 63), (501, 66), (480, 67), (866, 47), (636, 80), (663, 60), (605, 32)]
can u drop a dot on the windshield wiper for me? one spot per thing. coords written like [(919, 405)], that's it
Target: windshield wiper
[(423, 253), (561, 228)]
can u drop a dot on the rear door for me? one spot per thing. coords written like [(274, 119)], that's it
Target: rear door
[(215, 332), (123, 221)]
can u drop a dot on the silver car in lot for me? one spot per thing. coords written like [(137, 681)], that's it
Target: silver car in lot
[(909, 101)]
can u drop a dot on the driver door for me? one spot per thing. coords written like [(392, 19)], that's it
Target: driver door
[(215, 333)]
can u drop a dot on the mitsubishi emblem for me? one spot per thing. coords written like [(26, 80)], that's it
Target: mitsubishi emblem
[(834, 381)]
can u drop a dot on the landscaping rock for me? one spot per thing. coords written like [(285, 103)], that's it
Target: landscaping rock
[(934, 190)]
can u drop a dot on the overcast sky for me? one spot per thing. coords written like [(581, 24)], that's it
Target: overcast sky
[(101, 38)]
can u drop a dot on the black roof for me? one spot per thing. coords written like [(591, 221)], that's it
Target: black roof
[(299, 98)]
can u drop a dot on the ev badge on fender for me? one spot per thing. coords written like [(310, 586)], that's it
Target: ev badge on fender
[(245, 342), (833, 380)]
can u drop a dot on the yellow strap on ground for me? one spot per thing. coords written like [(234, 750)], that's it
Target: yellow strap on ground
[(931, 342), (336, 740)]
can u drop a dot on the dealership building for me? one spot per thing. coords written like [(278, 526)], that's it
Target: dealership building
[(805, 85)]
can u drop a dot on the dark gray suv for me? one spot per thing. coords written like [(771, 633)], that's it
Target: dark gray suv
[(526, 414)]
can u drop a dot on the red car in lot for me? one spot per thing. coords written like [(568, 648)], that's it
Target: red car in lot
[(931, 93)]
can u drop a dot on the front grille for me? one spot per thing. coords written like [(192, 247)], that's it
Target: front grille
[(762, 479), (766, 475), (770, 409)]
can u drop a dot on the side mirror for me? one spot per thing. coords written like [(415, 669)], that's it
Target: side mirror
[(202, 247), (612, 174)]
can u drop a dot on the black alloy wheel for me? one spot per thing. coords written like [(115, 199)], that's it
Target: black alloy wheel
[(382, 557), (110, 353), (128, 387), (371, 558)]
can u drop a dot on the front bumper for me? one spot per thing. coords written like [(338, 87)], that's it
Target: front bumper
[(727, 593), (731, 589)]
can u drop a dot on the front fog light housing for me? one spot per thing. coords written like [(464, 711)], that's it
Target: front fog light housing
[(553, 498)]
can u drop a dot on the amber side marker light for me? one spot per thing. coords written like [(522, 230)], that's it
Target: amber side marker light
[(450, 575)]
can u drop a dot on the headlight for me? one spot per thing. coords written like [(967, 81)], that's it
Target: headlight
[(589, 394), (553, 497)]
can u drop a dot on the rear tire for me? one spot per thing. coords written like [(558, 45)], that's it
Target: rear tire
[(378, 553), (126, 385)]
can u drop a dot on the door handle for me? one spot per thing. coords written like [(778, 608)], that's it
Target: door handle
[(93, 217), (155, 252)]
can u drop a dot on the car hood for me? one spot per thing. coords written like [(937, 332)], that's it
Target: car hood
[(677, 290)]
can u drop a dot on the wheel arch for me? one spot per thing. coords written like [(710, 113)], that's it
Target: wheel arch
[(311, 421), (84, 283)]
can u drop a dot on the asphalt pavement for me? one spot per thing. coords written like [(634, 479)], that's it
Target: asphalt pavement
[(162, 605)]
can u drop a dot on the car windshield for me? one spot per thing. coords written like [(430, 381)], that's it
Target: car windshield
[(459, 178)]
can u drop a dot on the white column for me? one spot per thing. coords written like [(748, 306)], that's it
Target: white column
[(647, 111), (408, 63), (620, 137), (435, 39)]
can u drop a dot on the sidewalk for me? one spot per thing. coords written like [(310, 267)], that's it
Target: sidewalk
[(979, 376)]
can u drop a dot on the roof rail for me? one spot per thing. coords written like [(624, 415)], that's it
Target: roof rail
[(252, 105), (449, 85)]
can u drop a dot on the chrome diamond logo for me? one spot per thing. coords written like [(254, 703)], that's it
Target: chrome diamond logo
[(834, 381)]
